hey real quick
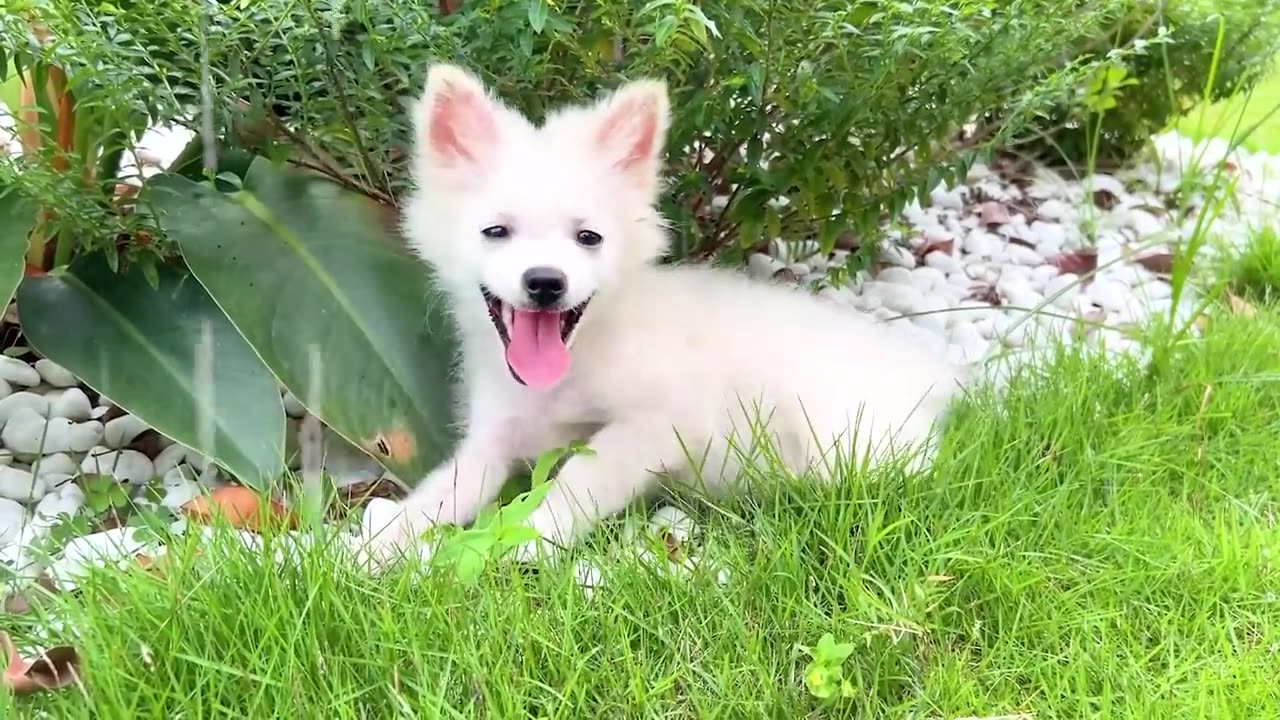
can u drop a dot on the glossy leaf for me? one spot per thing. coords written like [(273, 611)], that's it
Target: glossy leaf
[(167, 355), (342, 315)]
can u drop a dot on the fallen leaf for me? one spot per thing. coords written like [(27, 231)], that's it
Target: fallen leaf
[(20, 602), (1240, 306), (1080, 262), (993, 213), (987, 294), (1159, 262), (56, 668), (935, 241), (240, 507), (1104, 199)]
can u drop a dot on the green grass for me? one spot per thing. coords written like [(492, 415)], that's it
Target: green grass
[(1098, 544), (1233, 117)]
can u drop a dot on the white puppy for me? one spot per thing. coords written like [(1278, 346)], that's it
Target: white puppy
[(545, 237)]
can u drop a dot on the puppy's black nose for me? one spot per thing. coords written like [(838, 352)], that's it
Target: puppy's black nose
[(545, 285)]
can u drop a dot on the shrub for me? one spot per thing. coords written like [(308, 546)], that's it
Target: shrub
[(1181, 45), (846, 109)]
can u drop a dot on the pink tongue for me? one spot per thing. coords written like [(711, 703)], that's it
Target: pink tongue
[(536, 352)]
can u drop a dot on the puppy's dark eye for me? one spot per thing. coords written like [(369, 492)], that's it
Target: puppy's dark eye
[(589, 238), (496, 232)]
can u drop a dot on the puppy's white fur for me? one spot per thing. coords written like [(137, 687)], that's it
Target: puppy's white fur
[(668, 364)]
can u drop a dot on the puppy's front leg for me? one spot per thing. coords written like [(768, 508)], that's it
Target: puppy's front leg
[(591, 486), (453, 493)]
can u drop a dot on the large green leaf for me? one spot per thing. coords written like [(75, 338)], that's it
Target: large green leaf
[(306, 271), (167, 355), (17, 217)]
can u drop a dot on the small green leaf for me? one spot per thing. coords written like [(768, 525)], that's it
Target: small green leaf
[(537, 15)]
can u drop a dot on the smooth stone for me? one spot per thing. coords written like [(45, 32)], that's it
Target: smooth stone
[(53, 505), (109, 547), (1109, 294), (128, 466), (898, 256), (123, 430), (27, 433), (17, 372), (179, 489), (934, 317), (24, 399), (669, 520), (896, 275), (948, 199), (762, 267), (1068, 285), (13, 516), (1024, 255), (56, 463), (169, 458), (54, 374), (799, 269), (1154, 290), (927, 278), (943, 262), (20, 485), (979, 242), (71, 404), (5, 389), (901, 298), (293, 406), (1053, 210)]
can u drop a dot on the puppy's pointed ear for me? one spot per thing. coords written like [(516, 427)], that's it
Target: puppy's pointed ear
[(632, 131), (456, 123)]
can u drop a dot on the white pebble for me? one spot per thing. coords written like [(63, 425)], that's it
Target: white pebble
[(1024, 255), (27, 433), (927, 278), (169, 458), (979, 243), (669, 520), (54, 374), (12, 517), (1109, 294), (942, 261), (902, 298), (1053, 210), (110, 547), (123, 430), (71, 404), (24, 399), (897, 255), (20, 485), (1154, 290), (129, 466), (58, 463), (53, 505), (17, 372), (761, 266), (897, 275), (1068, 285), (293, 406), (179, 489)]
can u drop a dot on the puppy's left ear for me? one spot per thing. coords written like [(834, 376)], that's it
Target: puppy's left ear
[(632, 131)]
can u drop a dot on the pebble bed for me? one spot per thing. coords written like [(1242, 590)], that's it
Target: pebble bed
[(1015, 259)]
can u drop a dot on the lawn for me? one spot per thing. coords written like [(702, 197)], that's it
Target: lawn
[(1237, 117), (1102, 543)]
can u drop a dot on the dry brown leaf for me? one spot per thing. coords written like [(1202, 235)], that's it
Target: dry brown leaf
[(55, 669), (934, 240), (240, 507), (987, 294), (1159, 262), (1080, 262), (993, 213), (1105, 199), (1240, 306), (20, 602)]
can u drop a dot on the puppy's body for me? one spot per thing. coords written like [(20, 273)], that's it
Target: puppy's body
[(667, 369)]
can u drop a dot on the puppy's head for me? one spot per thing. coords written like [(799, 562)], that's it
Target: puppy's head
[(531, 222)]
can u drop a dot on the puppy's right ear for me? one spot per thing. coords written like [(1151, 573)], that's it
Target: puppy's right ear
[(456, 124)]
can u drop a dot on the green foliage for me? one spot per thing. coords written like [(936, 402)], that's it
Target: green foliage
[(1174, 54), (166, 353), (848, 109), (824, 676), (499, 528)]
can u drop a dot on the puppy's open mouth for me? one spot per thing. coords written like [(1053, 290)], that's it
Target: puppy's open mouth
[(536, 342)]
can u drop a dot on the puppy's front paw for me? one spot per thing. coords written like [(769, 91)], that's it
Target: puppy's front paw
[(386, 537)]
